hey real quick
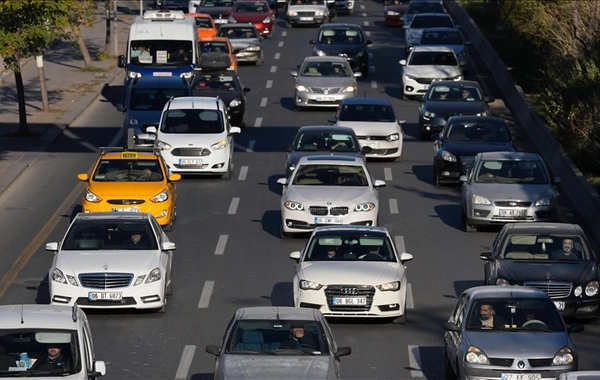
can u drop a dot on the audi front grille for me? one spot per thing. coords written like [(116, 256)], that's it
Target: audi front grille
[(367, 291)]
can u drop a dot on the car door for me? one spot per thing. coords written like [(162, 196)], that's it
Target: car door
[(453, 339), (439, 143), (332, 345), (490, 268), (466, 186)]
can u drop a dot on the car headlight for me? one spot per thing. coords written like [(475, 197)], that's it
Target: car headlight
[(392, 13), (545, 201), (365, 206), (447, 156), (309, 285), (253, 48), (219, 145), (134, 74), (476, 356), (91, 197), (429, 115), (458, 77), (160, 197), (231, 20), (294, 206), (393, 137), (139, 280), (484, 113), (591, 289), (350, 89), (59, 276), (563, 356), (462, 53), (162, 145), (320, 53), (479, 200), (393, 286), (301, 88), (360, 54), (234, 103), (410, 77), (133, 121), (153, 276), (320, 13), (293, 13), (267, 20), (187, 74), (412, 38), (502, 281)]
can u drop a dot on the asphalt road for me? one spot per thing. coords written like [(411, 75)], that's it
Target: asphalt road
[(229, 254)]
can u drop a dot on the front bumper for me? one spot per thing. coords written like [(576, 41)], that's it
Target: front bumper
[(305, 20), (303, 221), (217, 162), (382, 148), (264, 29), (487, 372), (492, 214), (412, 87), (451, 171), (311, 99), (393, 20), (579, 308), (161, 211), (249, 56)]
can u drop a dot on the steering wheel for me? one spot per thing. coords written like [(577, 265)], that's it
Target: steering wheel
[(534, 324), (567, 256)]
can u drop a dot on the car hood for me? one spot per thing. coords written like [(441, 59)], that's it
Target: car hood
[(190, 139), (126, 189), (241, 43), (518, 344), (254, 367), (456, 108), (518, 192), (146, 117), (226, 96), (364, 128), (325, 81), (400, 8), (463, 148), (337, 195), (518, 271), (350, 272), (101, 261), (296, 156), (432, 71), (215, 11), (335, 49), (307, 8), (250, 17)]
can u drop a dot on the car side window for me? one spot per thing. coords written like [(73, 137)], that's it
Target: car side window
[(459, 310), (157, 230), (494, 248)]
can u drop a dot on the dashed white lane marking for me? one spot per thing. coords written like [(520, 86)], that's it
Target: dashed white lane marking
[(410, 301), (284, 33), (251, 145), (243, 173), (207, 291), (373, 84), (186, 362), (372, 69), (277, 55), (263, 102), (273, 69), (393, 206), (370, 55), (258, 122), (414, 361), (362, 6), (221, 243), (269, 84), (368, 33), (366, 23), (280, 44), (364, 15), (235, 202), (387, 174)]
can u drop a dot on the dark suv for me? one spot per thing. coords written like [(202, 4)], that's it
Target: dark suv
[(345, 40), (145, 100)]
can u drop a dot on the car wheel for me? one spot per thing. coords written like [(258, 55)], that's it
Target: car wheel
[(365, 73), (169, 226), (298, 108), (436, 177), (162, 309), (468, 228), (259, 62), (401, 319), (422, 136), (409, 97), (169, 290), (282, 233), (449, 371), (227, 174)]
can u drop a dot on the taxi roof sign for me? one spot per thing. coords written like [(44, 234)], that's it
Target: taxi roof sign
[(131, 155)]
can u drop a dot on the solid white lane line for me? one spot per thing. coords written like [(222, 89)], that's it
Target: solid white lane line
[(220, 250), (280, 44), (235, 202), (368, 33), (273, 69), (251, 145), (277, 55), (387, 174), (393, 206), (207, 291), (258, 122), (414, 361), (243, 173), (410, 301), (186, 362), (263, 102), (284, 33), (399, 241), (269, 84), (373, 84)]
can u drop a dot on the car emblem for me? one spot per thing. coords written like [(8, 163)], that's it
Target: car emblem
[(325, 92), (521, 364), (105, 266), (548, 276), (368, 137), (328, 203), (349, 291), (514, 204), (125, 202)]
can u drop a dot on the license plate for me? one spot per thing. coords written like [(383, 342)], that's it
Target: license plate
[(162, 74), (126, 209), (102, 296), (325, 98), (560, 305), (521, 376), (426, 87), (513, 213), (306, 19), (323, 220), (349, 301), (220, 21), (189, 162)]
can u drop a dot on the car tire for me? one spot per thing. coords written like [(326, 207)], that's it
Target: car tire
[(169, 226), (468, 227), (163, 309), (282, 233), (365, 73), (259, 62), (401, 320), (289, 25), (449, 371), (422, 136), (436, 177), (408, 97), (298, 108), (169, 290), (227, 174)]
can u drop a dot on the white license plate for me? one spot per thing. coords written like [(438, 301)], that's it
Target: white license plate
[(325, 98), (220, 21), (323, 220), (162, 74), (306, 19), (521, 376), (126, 209), (512, 212), (105, 296), (349, 301), (189, 162), (560, 305)]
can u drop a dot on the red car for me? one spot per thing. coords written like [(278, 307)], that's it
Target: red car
[(256, 12), (394, 11)]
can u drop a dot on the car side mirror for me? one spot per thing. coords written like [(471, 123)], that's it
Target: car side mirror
[(295, 256), (175, 177), (168, 246), (451, 326), (282, 181), (151, 130), (402, 62), (557, 180), (332, 119), (120, 107), (357, 74), (246, 89), (486, 256), (342, 351), (294, 73), (212, 349), (286, 148), (401, 122), (379, 183), (83, 177), (404, 257), (463, 178), (121, 61), (312, 42), (235, 130), (52, 247), (490, 99), (369, 43)]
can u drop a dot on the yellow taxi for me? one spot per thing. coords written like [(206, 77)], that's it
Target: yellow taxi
[(218, 45), (205, 24), (129, 181)]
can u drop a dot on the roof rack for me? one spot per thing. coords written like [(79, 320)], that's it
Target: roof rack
[(163, 15)]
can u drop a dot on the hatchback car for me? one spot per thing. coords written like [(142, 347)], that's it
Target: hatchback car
[(450, 37), (218, 45), (112, 260), (326, 190), (323, 82), (246, 42), (205, 24), (255, 12), (503, 187), (554, 257), (263, 343), (352, 271), (421, 21), (394, 11), (219, 10), (507, 332)]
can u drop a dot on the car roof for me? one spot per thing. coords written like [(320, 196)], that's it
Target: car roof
[(191, 102), (507, 291), (112, 155), (325, 58), (439, 28), (159, 82), (199, 15), (509, 156), (340, 25), (361, 229), (214, 39), (278, 312), (367, 101), (476, 119), (331, 159), (37, 316), (431, 15), (113, 216), (421, 48), (545, 228), (325, 128)]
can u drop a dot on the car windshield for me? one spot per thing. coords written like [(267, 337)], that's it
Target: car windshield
[(340, 37), (422, 22), (368, 113), (307, 2), (24, 352), (326, 69), (425, 7), (128, 171), (350, 246), (569, 248), (215, 82), (153, 99), (456, 93), (437, 58), (274, 337), (93, 235), (515, 314), (325, 141), (511, 171), (330, 175), (247, 7), (216, 3), (441, 38), (204, 22), (477, 132), (161, 52), (192, 121), (236, 33), (214, 47)]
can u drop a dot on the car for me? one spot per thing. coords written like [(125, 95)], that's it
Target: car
[(225, 85), (580, 375), (255, 12), (205, 24), (306, 12), (421, 21), (416, 7), (375, 124), (507, 332), (218, 45), (447, 98), (325, 190), (246, 42), (461, 139), (503, 187), (323, 82), (146, 97), (122, 180), (394, 11), (219, 10), (344, 6), (554, 257), (112, 260), (321, 139), (256, 345), (450, 37), (352, 271), (171, 5), (426, 63), (344, 40)]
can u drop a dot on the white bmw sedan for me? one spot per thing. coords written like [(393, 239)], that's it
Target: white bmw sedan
[(326, 190), (352, 271)]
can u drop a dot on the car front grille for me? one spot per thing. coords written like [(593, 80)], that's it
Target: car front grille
[(324, 210), (306, 14), (429, 80), (105, 280), (325, 90), (372, 138), (125, 201), (512, 204), (367, 291), (501, 362), (189, 152), (540, 362), (552, 289)]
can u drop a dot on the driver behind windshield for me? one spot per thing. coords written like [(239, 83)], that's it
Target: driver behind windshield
[(298, 338)]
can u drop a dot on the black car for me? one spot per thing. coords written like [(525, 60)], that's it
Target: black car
[(448, 98), (172, 5), (317, 139), (554, 257), (346, 40), (219, 10), (461, 139)]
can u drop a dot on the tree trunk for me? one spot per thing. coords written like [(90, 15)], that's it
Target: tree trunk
[(108, 30), (23, 129), (84, 51), (115, 29), (39, 59)]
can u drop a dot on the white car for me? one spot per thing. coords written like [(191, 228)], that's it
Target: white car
[(345, 6), (426, 63), (112, 260), (375, 124), (352, 271), (306, 12), (421, 21), (450, 37), (326, 190), (195, 136)]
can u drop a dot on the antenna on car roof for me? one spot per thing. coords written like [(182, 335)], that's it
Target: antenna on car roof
[(22, 314)]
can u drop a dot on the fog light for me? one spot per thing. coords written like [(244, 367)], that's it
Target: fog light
[(428, 128), (446, 174), (587, 309), (163, 214), (154, 298), (61, 299), (87, 211), (288, 223)]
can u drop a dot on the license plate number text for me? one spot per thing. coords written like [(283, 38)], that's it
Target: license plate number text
[(322, 220), (349, 301), (105, 296)]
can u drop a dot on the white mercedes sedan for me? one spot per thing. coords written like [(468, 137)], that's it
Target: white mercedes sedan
[(352, 271)]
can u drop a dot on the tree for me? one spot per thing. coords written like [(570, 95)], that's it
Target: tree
[(81, 13)]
